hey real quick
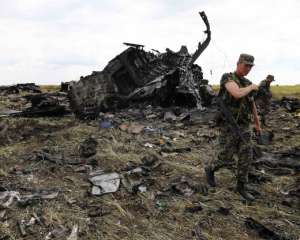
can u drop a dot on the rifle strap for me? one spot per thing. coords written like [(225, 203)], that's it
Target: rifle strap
[(240, 109)]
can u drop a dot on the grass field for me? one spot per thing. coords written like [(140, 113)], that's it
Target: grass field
[(50, 88), (288, 90)]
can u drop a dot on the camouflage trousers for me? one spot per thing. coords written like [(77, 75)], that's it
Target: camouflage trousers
[(264, 105), (229, 145)]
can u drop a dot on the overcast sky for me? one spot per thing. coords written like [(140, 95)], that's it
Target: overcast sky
[(50, 41)]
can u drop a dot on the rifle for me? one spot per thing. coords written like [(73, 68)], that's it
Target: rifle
[(233, 124), (262, 137), (255, 115)]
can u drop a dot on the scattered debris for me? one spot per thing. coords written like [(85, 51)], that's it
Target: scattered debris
[(293, 153), (197, 232), (18, 88), (74, 233), (290, 104), (133, 128), (263, 231), (46, 105), (58, 233), (137, 177), (194, 209), (46, 155), (3, 131), (88, 147), (21, 225), (39, 195), (7, 197), (161, 201), (150, 160), (2, 214), (149, 145), (8, 112), (98, 211), (224, 211), (132, 181), (185, 186), (66, 86), (258, 177), (169, 116), (4, 237), (265, 138), (286, 159), (167, 149), (292, 190), (106, 124), (105, 183)]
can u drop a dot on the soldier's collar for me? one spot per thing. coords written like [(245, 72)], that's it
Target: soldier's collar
[(240, 78)]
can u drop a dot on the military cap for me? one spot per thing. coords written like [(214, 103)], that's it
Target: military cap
[(270, 77), (246, 58)]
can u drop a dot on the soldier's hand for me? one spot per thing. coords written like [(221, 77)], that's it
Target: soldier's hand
[(254, 87), (258, 130)]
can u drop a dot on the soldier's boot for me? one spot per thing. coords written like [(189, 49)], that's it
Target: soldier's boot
[(243, 191), (210, 176)]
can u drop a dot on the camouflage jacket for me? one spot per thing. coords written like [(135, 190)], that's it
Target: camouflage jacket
[(240, 108), (264, 89)]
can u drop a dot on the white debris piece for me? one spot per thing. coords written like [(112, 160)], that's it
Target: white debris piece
[(74, 233), (105, 183)]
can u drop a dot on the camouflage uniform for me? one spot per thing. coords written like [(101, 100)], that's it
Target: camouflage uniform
[(263, 100), (229, 142)]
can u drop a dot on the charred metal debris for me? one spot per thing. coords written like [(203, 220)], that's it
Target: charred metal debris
[(46, 105), (138, 76), (18, 88), (290, 104)]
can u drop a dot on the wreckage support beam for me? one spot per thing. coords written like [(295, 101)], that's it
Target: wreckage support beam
[(202, 46)]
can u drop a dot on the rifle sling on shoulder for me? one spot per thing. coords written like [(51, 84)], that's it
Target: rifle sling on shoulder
[(232, 123)]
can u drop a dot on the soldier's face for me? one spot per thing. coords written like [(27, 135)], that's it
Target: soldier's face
[(243, 69)]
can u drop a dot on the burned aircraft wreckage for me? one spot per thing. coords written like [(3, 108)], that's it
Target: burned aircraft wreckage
[(135, 75)]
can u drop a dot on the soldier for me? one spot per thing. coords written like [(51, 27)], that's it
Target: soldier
[(263, 98), (234, 91)]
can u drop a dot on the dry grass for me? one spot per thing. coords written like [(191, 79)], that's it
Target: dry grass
[(280, 91), (50, 88)]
